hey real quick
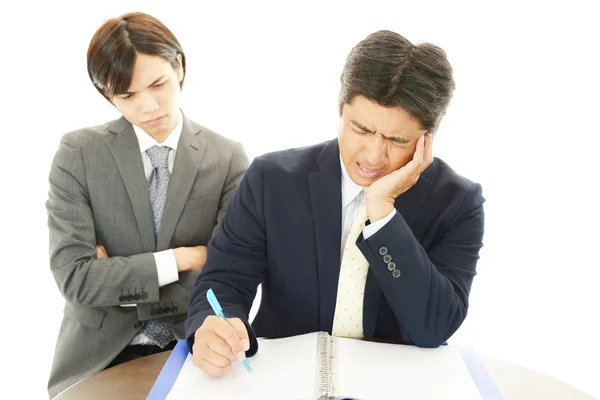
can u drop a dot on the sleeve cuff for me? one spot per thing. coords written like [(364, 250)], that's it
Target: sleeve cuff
[(373, 228), (166, 267)]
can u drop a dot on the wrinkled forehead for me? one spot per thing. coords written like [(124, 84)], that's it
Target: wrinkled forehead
[(387, 121)]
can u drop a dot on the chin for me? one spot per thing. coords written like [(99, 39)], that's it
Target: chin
[(360, 181)]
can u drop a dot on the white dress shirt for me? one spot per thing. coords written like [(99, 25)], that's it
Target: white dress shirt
[(165, 260), (353, 198)]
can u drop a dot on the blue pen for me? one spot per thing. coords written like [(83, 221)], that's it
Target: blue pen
[(214, 303)]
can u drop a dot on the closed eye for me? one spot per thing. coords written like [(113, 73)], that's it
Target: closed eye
[(360, 132)]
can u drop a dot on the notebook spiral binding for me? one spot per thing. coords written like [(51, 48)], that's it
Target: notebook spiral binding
[(325, 386)]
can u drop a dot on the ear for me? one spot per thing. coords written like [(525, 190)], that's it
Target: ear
[(180, 71)]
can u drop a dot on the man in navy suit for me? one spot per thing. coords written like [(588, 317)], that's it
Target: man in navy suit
[(364, 236)]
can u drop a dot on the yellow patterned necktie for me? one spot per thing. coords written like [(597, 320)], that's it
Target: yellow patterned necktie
[(348, 318)]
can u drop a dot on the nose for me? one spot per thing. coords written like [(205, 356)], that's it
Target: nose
[(148, 103), (375, 150)]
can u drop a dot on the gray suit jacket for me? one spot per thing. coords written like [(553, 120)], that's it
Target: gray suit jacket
[(98, 196)]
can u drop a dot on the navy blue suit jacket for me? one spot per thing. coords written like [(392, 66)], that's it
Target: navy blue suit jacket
[(283, 229)]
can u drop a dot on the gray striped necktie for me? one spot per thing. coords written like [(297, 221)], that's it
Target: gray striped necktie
[(157, 330)]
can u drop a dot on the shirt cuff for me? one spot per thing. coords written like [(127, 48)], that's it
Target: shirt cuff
[(166, 267), (373, 228)]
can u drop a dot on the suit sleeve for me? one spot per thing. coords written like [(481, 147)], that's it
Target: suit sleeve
[(236, 259), (428, 291), (177, 293), (83, 280)]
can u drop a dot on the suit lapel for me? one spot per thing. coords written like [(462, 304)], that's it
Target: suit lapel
[(126, 151), (190, 152), (408, 205), (326, 202)]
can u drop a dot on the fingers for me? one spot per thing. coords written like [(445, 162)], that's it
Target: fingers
[(218, 343), (418, 156), (423, 155), (427, 150), (414, 165), (207, 358), (229, 334), (218, 352), (101, 252), (241, 330), (209, 368), (213, 349)]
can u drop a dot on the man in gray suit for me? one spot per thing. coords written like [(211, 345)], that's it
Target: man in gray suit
[(132, 204)]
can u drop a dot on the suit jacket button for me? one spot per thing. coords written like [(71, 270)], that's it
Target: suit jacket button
[(391, 266), (167, 310), (144, 296), (137, 297), (152, 312), (129, 297), (383, 250), (174, 309), (396, 273), (122, 299), (159, 311), (387, 258)]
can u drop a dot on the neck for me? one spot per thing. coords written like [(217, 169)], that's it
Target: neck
[(161, 137)]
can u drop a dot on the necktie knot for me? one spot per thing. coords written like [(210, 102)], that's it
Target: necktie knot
[(158, 156)]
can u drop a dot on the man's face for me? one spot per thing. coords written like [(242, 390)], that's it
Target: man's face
[(376, 140), (152, 100)]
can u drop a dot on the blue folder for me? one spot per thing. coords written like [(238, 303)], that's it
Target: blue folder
[(168, 375)]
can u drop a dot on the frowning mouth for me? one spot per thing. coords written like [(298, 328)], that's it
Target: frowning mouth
[(154, 121)]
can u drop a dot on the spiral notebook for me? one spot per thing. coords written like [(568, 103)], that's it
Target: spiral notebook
[(319, 366)]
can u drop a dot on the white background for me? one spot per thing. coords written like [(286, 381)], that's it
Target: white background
[(523, 123)]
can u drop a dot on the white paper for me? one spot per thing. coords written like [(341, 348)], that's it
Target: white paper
[(286, 369), (282, 369), (368, 370)]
